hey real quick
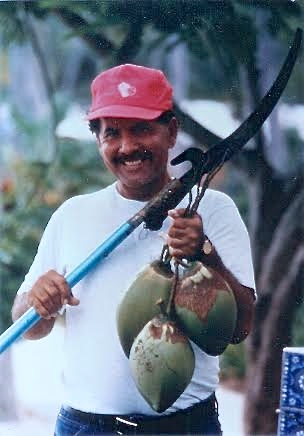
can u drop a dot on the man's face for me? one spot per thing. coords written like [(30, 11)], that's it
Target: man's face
[(136, 152)]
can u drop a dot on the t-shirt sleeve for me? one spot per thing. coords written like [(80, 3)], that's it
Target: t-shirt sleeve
[(47, 256), (225, 228)]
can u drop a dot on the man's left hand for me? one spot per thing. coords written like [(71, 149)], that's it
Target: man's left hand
[(185, 234)]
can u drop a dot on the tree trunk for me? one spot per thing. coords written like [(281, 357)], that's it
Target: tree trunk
[(277, 214), (280, 293)]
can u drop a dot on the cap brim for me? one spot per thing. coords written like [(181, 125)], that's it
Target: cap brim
[(125, 112)]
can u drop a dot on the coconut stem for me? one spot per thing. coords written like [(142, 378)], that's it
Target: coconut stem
[(170, 305)]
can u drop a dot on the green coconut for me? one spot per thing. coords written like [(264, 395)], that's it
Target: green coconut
[(139, 304), (162, 363), (205, 308)]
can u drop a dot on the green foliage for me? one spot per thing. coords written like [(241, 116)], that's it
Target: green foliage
[(222, 30), (11, 26), (29, 198), (20, 230), (220, 35)]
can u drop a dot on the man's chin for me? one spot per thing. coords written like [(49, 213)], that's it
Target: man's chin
[(143, 189), (137, 177)]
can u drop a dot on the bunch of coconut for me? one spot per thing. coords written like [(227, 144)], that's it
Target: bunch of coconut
[(159, 316)]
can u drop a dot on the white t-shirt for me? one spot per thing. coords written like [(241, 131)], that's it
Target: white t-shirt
[(97, 376)]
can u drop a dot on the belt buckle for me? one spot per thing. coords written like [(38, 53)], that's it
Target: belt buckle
[(123, 426)]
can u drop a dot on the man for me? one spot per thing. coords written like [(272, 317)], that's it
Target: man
[(131, 116)]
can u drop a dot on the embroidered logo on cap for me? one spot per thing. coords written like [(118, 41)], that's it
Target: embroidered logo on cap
[(126, 90)]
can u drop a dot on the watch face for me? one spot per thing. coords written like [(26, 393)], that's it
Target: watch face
[(207, 247)]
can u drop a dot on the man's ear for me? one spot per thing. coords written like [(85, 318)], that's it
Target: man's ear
[(172, 131)]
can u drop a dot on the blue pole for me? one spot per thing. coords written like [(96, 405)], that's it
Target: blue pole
[(31, 317)]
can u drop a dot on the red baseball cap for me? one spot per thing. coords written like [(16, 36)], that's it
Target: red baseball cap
[(130, 91)]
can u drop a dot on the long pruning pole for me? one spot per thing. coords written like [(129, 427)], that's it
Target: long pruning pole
[(168, 198)]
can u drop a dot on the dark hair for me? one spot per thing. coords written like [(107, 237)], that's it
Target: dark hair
[(164, 118), (94, 126)]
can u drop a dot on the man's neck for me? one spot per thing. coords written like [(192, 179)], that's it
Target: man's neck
[(145, 193)]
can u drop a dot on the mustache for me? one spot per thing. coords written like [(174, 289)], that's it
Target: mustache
[(136, 155)]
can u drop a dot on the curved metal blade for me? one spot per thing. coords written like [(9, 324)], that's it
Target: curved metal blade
[(223, 150)]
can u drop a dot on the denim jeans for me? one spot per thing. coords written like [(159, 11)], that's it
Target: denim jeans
[(69, 424)]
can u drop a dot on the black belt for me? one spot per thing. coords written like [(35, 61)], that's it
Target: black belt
[(175, 423)]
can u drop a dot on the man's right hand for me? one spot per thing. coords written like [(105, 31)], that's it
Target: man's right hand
[(49, 294)]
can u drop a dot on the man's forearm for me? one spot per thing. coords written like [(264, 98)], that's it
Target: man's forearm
[(244, 298), (38, 331)]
